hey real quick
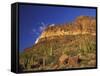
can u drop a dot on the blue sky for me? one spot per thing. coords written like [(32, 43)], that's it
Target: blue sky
[(33, 19)]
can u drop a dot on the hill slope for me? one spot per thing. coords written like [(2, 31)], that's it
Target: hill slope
[(63, 46)]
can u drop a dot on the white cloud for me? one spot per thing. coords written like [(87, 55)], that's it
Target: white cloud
[(52, 25), (33, 30), (39, 30), (42, 27), (43, 23)]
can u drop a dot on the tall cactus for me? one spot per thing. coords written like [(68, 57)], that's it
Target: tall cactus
[(25, 62), (44, 61), (51, 51)]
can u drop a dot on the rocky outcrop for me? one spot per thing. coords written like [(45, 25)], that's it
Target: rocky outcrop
[(81, 25)]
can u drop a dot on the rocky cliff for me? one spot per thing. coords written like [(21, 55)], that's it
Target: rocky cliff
[(81, 25)]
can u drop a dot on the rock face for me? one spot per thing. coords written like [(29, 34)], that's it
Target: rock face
[(81, 25)]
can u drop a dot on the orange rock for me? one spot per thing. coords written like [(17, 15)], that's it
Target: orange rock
[(63, 58), (73, 61), (55, 66)]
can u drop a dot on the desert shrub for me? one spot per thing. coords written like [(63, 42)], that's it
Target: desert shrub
[(71, 53), (51, 59)]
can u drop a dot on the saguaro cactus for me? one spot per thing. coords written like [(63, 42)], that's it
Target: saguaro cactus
[(51, 52)]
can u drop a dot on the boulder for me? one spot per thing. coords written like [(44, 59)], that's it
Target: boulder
[(63, 59)]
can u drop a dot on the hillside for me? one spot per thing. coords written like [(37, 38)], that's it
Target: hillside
[(63, 46)]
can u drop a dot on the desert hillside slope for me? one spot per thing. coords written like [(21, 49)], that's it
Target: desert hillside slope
[(63, 46)]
